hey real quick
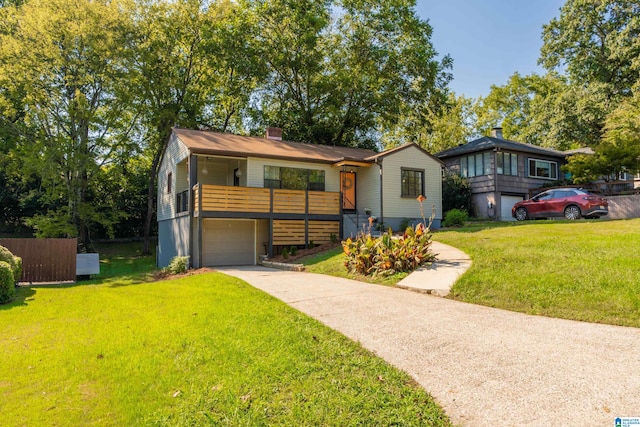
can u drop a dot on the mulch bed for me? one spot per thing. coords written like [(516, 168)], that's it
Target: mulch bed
[(301, 253), (163, 275)]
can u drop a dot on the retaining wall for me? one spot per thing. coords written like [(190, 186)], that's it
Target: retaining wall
[(623, 207)]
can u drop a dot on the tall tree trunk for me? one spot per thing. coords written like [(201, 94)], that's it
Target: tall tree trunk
[(164, 133)]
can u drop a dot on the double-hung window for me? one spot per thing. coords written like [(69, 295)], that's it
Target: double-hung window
[(412, 182)]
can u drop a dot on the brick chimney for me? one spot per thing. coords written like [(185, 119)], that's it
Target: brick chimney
[(496, 133), (274, 133)]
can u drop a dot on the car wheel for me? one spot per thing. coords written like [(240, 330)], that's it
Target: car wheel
[(572, 212), (521, 214)]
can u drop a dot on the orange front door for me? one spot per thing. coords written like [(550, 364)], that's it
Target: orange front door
[(348, 189)]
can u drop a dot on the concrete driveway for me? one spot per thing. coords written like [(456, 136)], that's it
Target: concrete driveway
[(484, 366)]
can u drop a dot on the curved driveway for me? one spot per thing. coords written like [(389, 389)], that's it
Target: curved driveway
[(484, 366)]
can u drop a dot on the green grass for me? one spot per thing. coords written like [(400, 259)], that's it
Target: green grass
[(332, 263), (582, 270), (201, 350)]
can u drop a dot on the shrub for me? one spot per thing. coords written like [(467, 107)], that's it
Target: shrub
[(456, 193), (293, 250), (7, 283), (404, 224), (178, 265), (285, 253), (15, 263), (455, 218), (385, 255)]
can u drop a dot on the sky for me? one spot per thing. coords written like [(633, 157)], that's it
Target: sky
[(489, 40)]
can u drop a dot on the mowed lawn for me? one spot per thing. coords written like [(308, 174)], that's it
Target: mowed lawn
[(581, 270), (200, 350)]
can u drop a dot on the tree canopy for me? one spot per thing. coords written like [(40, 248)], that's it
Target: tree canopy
[(89, 91)]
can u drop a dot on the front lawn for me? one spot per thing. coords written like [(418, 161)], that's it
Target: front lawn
[(582, 270), (200, 350)]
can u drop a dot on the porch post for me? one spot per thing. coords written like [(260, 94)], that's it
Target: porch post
[(200, 196), (306, 219), (341, 235), (270, 250)]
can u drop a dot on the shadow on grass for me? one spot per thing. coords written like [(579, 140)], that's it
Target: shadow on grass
[(23, 294), (474, 227)]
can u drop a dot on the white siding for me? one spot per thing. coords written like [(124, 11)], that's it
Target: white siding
[(255, 174), (368, 189), (176, 152), (408, 207)]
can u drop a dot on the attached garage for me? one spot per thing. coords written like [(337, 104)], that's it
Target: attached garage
[(506, 203), (228, 242)]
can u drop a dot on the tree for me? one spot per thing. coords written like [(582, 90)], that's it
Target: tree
[(595, 41), (340, 79), (63, 57), (619, 151), (187, 66), (438, 130)]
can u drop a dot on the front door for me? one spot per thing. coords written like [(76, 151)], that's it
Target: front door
[(348, 190)]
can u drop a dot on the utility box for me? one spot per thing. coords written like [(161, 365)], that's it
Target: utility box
[(86, 265)]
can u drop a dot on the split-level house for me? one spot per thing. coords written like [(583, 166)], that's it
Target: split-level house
[(227, 199), (502, 172)]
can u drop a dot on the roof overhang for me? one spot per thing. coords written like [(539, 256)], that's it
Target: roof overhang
[(352, 163)]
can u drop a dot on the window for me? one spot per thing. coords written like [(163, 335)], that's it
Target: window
[(412, 183), (475, 165), (293, 178), (507, 163), (169, 182), (543, 169)]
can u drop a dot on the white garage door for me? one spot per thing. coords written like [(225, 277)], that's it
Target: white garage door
[(228, 242), (506, 203)]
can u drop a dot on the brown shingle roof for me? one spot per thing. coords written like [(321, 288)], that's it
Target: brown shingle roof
[(226, 144)]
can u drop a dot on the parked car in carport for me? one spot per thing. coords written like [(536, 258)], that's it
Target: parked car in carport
[(571, 203)]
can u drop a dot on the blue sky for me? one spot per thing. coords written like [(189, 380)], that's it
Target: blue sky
[(489, 40)]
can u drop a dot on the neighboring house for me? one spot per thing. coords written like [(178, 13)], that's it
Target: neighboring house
[(501, 172), (226, 199)]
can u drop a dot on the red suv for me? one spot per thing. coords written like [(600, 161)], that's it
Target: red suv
[(571, 203)]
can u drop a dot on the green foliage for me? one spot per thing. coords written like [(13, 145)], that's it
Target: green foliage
[(386, 254), (285, 253), (337, 78), (178, 265), (13, 261), (455, 218), (7, 283), (456, 193), (293, 250), (333, 238)]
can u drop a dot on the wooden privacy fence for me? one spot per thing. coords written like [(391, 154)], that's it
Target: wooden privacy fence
[(45, 260)]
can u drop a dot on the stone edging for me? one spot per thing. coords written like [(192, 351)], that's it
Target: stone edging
[(283, 266)]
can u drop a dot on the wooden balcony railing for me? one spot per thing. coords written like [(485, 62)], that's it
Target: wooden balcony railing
[(220, 198)]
